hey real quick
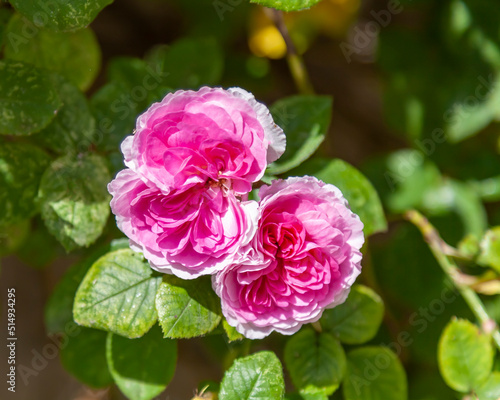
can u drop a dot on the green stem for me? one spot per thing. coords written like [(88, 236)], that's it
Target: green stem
[(295, 61), (317, 326), (438, 247)]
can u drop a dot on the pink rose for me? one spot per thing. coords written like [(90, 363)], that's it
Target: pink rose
[(192, 158), (188, 233), (209, 135), (303, 259)]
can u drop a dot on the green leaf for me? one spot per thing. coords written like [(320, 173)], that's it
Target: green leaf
[(406, 179), (315, 361), (465, 355), (85, 357), (374, 373), (312, 393), (305, 121), (21, 168), (5, 15), (144, 84), (358, 319), (490, 390), (187, 308), (409, 176), (115, 116), (356, 188), (470, 25), (490, 249), (231, 332), (287, 5), (60, 15), (78, 57), (118, 294), (256, 377), (141, 368), (71, 131), (439, 85), (479, 116), (188, 63), (59, 307), (469, 246), (28, 100), (454, 196), (75, 208), (468, 205)]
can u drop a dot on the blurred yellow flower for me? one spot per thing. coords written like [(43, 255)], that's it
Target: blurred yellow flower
[(267, 42), (329, 17)]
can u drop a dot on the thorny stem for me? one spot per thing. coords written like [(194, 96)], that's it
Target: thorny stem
[(295, 61), (440, 249)]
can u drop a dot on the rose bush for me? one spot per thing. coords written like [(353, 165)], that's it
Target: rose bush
[(304, 257), (192, 158), (182, 200)]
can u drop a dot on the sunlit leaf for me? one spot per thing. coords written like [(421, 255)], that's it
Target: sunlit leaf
[(305, 121), (60, 15), (465, 356), (187, 309), (255, 377), (490, 249), (287, 5), (75, 208), (118, 294), (59, 306)]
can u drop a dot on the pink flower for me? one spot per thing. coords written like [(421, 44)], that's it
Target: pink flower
[(193, 157), (189, 232), (210, 135), (303, 259)]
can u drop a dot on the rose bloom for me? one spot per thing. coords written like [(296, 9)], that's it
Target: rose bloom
[(209, 135), (192, 159), (187, 233), (303, 259)]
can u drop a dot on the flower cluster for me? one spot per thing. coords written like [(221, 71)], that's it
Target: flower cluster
[(182, 202)]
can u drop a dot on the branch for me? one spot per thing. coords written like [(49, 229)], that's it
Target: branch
[(295, 61), (439, 248)]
